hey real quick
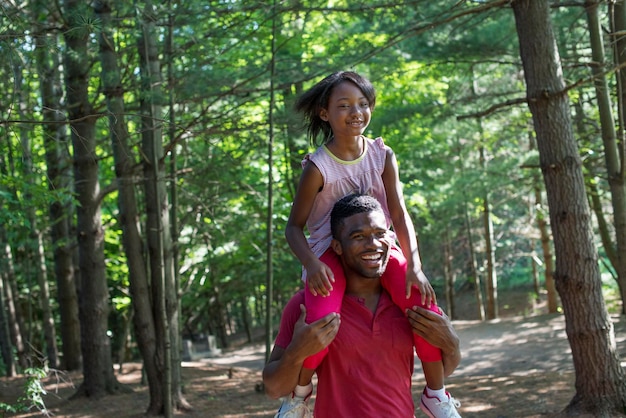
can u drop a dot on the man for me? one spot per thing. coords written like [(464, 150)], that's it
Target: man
[(367, 372)]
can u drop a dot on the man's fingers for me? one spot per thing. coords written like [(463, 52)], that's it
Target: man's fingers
[(326, 328), (421, 317), (332, 328), (418, 310), (326, 320)]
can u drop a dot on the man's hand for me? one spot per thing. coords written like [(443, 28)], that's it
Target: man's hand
[(438, 331), (281, 373), (309, 339)]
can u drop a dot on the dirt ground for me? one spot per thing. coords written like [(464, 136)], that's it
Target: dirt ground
[(517, 366)]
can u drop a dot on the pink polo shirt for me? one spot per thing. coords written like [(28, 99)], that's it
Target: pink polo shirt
[(368, 369)]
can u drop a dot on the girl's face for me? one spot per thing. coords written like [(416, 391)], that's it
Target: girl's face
[(348, 111)]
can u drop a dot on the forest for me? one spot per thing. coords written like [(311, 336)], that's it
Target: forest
[(150, 153)]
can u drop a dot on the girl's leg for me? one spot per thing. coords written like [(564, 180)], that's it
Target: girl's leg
[(319, 306), (394, 280)]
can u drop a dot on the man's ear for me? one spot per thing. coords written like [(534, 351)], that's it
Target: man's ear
[(324, 115), (336, 246)]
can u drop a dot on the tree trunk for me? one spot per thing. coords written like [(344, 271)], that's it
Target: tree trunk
[(6, 348), (600, 383), (98, 377), (293, 147), (604, 229), (143, 319), (536, 286), (15, 316), (546, 250), (245, 318), (35, 247), (160, 247), (474, 264), (618, 19), (37, 252), (448, 274), (218, 319), (269, 226), (544, 237), (491, 280), (593, 193), (125, 341), (613, 160), (59, 179), (173, 210)]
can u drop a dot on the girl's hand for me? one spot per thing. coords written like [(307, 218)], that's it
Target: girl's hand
[(319, 277), (420, 280)]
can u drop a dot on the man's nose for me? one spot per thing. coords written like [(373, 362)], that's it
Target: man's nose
[(374, 241)]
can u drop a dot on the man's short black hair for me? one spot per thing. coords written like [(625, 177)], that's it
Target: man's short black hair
[(349, 205)]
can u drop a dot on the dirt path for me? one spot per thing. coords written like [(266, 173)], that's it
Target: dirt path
[(515, 367), (495, 347)]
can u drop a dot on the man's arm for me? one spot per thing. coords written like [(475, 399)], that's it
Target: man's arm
[(280, 374), (438, 331)]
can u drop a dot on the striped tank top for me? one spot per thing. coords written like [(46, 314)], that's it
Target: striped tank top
[(341, 178)]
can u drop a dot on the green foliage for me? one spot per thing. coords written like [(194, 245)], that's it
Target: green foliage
[(33, 393), (450, 104)]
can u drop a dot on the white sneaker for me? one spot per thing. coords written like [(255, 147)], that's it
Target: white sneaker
[(437, 408), (294, 407)]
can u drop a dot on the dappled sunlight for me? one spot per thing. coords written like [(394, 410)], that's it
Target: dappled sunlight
[(538, 393), (511, 344), (511, 367)]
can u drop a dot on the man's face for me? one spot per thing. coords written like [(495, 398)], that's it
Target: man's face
[(363, 244)]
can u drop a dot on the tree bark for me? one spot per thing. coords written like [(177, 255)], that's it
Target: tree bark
[(473, 263), (6, 348), (491, 280), (36, 252), (13, 310), (160, 246), (600, 383), (143, 319), (614, 162), (98, 377), (546, 250), (544, 238), (449, 275), (59, 179)]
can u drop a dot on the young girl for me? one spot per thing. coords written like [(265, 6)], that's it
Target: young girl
[(339, 109)]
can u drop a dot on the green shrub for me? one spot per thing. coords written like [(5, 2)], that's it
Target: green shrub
[(33, 394)]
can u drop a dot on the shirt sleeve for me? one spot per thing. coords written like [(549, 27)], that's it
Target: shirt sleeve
[(288, 319)]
